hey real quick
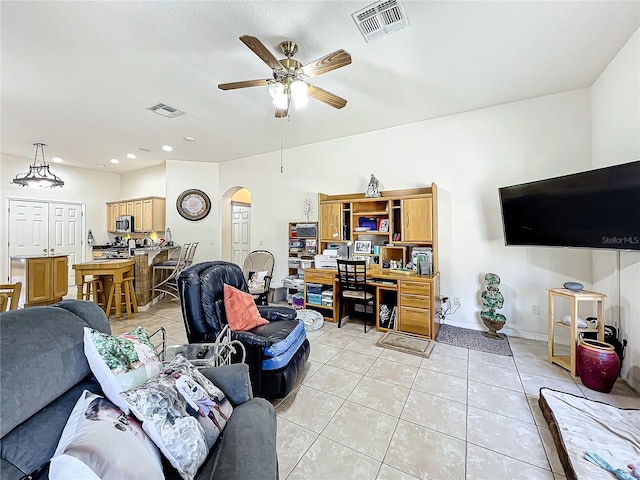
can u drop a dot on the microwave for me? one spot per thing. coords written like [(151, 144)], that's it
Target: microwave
[(124, 224)]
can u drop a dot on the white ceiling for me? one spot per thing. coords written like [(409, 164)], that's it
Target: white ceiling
[(79, 75)]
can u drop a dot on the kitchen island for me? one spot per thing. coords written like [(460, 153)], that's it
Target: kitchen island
[(44, 278)]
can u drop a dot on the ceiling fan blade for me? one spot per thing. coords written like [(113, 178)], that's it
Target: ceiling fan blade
[(259, 49), (325, 64), (326, 97), (246, 83)]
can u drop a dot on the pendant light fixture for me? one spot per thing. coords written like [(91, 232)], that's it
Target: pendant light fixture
[(39, 174)]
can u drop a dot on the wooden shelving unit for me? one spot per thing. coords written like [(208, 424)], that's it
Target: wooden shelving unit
[(569, 361), (302, 248)]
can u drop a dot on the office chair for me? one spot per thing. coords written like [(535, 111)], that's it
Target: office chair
[(352, 284)]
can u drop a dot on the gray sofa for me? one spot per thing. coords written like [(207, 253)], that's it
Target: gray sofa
[(43, 371)]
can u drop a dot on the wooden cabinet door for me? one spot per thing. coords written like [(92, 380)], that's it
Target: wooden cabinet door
[(137, 216), (39, 280), (60, 277), (112, 213), (330, 224), (147, 215), (130, 208), (122, 208), (159, 213), (417, 220)]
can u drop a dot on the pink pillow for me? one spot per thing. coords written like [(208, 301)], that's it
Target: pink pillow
[(242, 313)]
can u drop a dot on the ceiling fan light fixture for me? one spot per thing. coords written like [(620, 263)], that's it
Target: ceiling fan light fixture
[(39, 174), (281, 101), (300, 101), (298, 88), (276, 89)]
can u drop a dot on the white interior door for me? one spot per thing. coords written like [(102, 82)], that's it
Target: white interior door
[(65, 233), (28, 228), (44, 228), (241, 230)]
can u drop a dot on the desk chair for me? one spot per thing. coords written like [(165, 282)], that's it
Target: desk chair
[(352, 284), (12, 291)]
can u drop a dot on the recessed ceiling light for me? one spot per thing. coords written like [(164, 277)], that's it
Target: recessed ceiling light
[(114, 160), (57, 160), (101, 165), (189, 139), (167, 148), (131, 155)]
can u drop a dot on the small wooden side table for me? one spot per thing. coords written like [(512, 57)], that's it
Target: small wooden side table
[(569, 362)]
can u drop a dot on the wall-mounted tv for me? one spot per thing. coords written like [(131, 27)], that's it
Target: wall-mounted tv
[(593, 209)]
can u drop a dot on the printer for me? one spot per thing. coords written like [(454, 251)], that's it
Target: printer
[(328, 259)]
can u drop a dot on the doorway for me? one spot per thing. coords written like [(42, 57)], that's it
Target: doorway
[(236, 224), (46, 228)]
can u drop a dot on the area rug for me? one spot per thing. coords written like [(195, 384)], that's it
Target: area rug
[(473, 339), (406, 343)]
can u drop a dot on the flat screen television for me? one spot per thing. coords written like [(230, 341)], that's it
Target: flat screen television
[(593, 209)]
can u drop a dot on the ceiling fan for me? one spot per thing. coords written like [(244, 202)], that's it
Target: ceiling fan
[(289, 76)]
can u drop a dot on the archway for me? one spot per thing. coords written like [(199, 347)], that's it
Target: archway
[(236, 224)]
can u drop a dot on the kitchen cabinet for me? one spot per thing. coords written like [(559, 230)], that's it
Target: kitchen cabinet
[(148, 214), (112, 214), (44, 279), (330, 222)]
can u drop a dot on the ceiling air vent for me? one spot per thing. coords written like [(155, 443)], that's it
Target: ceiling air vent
[(380, 19), (165, 110)]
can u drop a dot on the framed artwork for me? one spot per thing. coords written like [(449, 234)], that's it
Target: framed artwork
[(384, 225), (362, 246)]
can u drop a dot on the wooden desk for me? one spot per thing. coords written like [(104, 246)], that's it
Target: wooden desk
[(569, 362), (116, 269), (416, 297)]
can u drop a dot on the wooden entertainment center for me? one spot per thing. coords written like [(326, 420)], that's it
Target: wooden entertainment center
[(397, 222)]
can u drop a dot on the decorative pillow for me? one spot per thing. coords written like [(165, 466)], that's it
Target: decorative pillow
[(256, 280), (182, 412), (241, 310), (100, 442), (121, 362)]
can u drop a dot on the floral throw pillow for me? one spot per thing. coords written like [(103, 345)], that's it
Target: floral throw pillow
[(182, 412), (121, 362), (100, 442)]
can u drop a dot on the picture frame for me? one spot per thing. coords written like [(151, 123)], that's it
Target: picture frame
[(362, 246), (384, 225)]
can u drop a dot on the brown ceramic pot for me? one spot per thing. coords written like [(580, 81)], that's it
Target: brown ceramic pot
[(598, 364)]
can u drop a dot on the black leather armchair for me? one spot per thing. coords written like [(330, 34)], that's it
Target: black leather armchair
[(276, 352)]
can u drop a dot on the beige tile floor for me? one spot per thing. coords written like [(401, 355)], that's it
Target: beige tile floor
[(363, 412)]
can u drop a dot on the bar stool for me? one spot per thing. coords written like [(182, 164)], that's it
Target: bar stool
[(168, 272), (95, 287), (128, 297)]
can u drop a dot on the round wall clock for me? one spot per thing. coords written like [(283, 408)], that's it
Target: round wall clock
[(193, 204)]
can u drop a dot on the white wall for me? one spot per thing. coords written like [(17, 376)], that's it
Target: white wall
[(148, 182), (180, 176), (468, 156), (615, 107), (81, 185)]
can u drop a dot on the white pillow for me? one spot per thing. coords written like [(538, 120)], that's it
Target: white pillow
[(121, 362), (182, 412), (567, 321), (100, 443)]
